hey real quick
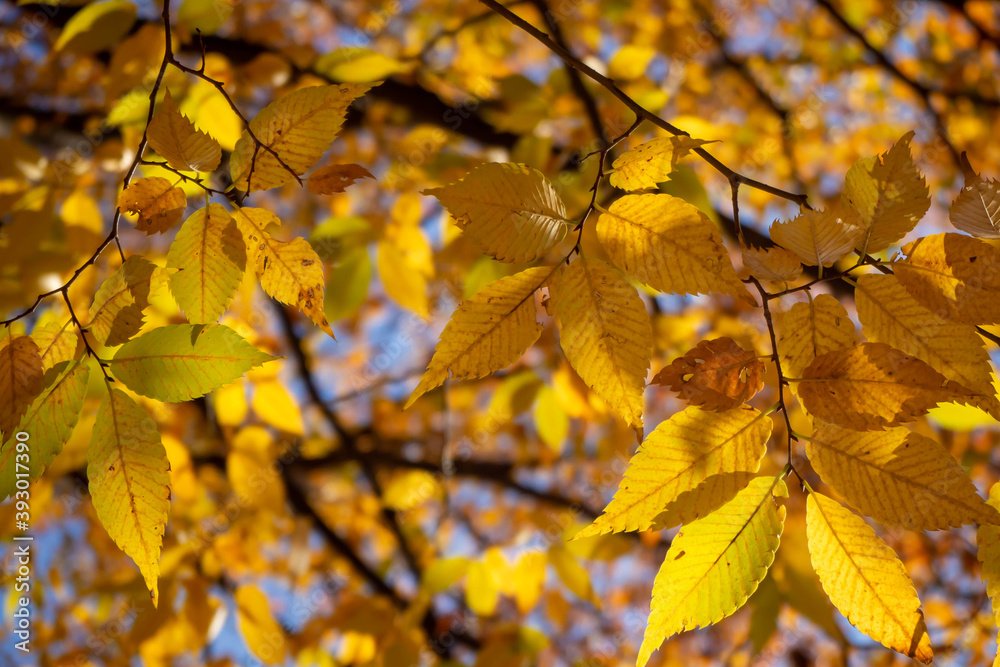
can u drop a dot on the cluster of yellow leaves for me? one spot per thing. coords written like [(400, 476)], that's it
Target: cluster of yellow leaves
[(699, 467), (44, 377)]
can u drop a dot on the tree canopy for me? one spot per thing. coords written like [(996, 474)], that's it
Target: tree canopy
[(555, 332)]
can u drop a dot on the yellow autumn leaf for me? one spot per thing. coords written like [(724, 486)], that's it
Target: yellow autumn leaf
[(179, 142), (571, 573), (873, 385), (605, 333), (250, 466), (276, 407), (528, 578), (57, 341), (230, 403), (976, 209), (487, 332), (482, 592), (356, 64), (211, 257), (48, 421), (403, 281), (988, 543), (666, 243), (771, 264), (21, 378), (116, 314), (410, 489), (810, 329), (889, 314), (651, 163), (551, 420), (509, 211), (899, 478), (96, 27), (889, 193), (159, 204), (865, 580), (954, 276), (263, 635), (715, 564), (298, 128), (130, 482), (820, 237), (630, 61), (711, 494), (289, 271), (682, 453)]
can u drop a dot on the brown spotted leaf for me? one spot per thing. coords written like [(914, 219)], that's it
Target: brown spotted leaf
[(716, 375)]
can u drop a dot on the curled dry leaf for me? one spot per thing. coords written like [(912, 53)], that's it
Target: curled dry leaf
[(335, 178), (158, 204), (716, 375)]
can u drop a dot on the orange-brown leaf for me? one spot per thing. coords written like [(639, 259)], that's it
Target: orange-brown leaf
[(716, 375), (159, 205), (335, 178)]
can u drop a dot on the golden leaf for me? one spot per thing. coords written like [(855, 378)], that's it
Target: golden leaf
[(668, 244), (159, 205), (683, 452), (820, 238), (872, 386), (864, 578), (509, 211), (298, 128), (651, 163), (898, 478), (487, 332), (889, 194), (605, 333), (715, 564), (179, 142)]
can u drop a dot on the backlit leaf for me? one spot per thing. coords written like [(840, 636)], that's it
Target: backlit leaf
[(130, 482), (487, 332), (96, 27), (889, 193), (668, 244), (509, 211), (158, 203), (898, 478), (335, 178), (21, 377), (954, 276), (116, 314), (178, 362), (810, 329), (48, 421), (818, 237), (179, 142), (263, 635), (715, 564), (716, 375), (888, 314), (976, 209), (211, 257), (771, 264), (298, 128), (683, 451), (651, 163), (864, 578), (872, 386), (604, 332)]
